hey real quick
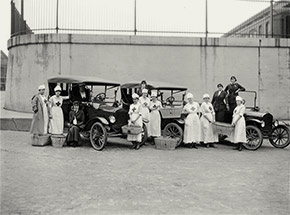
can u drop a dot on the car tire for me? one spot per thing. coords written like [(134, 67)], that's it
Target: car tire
[(280, 137), (173, 130), (98, 136), (254, 138)]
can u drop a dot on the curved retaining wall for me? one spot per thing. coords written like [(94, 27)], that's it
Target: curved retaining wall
[(199, 64)]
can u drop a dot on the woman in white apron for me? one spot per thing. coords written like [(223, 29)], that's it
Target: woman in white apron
[(56, 113), (155, 118), (192, 123), (239, 134), (135, 118), (145, 103), (208, 137)]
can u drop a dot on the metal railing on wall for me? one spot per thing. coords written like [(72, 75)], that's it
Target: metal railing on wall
[(198, 18)]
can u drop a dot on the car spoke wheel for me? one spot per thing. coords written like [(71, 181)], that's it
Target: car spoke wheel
[(144, 134), (98, 136), (173, 130), (254, 138), (280, 137)]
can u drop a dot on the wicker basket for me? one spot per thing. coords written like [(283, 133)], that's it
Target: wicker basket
[(165, 143), (131, 129), (57, 140), (41, 140), (222, 128), (172, 112)]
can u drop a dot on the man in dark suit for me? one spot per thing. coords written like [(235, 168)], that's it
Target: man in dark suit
[(219, 103), (81, 94)]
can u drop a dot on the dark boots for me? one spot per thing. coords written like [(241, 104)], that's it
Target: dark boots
[(239, 147)]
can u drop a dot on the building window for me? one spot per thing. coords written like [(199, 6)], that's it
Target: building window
[(287, 24), (260, 30), (267, 29)]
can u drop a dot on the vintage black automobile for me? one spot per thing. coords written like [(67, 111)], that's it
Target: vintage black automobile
[(172, 99), (104, 115), (261, 125)]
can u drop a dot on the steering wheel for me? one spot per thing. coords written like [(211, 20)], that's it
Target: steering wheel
[(100, 97), (170, 100)]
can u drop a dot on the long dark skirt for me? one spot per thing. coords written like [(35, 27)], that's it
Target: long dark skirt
[(73, 134), (229, 114), (220, 116)]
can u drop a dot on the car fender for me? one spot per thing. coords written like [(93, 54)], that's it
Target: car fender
[(180, 121), (96, 119), (253, 120)]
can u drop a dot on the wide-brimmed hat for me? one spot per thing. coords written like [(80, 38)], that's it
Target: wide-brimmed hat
[(153, 94), (205, 96), (189, 96), (41, 87), (57, 88), (239, 98), (135, 96)]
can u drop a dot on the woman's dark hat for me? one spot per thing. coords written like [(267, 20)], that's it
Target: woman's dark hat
[(220, 85), (233, 77), (76, 103)]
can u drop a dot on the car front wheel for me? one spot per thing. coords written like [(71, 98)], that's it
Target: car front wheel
[(280, 137), (98, 136), (254, 138)]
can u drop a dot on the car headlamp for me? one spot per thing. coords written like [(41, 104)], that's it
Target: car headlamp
[(112, 119), (276, 123), (263, 124)]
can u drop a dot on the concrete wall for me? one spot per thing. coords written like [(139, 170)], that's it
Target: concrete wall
[(260, 65)]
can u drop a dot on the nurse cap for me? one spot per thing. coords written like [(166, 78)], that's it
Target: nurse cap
[(41, 87), (239, 98), (189, 95), (135, 96), (57, 88), (205, 96), (144, 91), (154, 93)]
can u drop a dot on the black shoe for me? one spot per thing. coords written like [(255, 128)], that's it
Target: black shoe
[(194, 146), (212, 145), (241, 147), (206, 145), (74, 144), (134, 145), (138, 146)]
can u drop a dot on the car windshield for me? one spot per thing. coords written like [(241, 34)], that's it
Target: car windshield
[(249, 97)]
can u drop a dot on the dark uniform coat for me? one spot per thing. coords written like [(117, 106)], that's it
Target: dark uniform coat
[(218, 102), (73, 134)]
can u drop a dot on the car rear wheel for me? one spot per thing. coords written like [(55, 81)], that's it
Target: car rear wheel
[(173, 130), (280, 137), (98, 136), (254, 138)]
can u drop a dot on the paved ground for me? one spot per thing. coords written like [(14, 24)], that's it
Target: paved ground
[(47, 180)]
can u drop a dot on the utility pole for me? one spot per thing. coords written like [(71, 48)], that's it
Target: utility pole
[(271, 15), (206, 24), (57, 17), (135, 17)]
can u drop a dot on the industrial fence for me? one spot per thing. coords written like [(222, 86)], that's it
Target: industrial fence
[(191, 18)]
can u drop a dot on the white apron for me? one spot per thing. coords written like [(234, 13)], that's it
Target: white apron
[(145, 103), (155, 119), (56, 123), (207, 134), (239, 134), (134, 112), (192, 124), (45, 114)]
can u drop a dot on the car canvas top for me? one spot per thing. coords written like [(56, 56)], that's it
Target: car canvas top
[(90, 80)]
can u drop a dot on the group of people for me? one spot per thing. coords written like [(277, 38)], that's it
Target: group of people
[(48, 114), (225, 106)]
